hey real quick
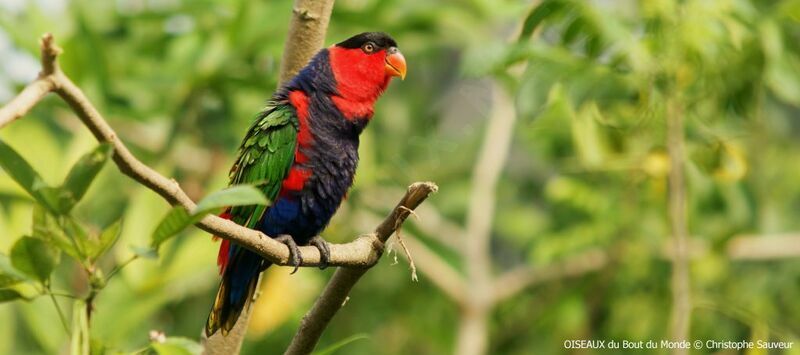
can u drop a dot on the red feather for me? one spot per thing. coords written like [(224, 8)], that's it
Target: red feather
[(295, 180), (222, 257), (299, 100)]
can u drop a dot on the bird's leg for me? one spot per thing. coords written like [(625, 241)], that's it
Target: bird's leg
[(294, 251), (324, 251)]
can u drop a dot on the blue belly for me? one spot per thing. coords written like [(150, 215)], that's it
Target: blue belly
[(286, 216)]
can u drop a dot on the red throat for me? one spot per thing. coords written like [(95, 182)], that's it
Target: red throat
[(360, 80)]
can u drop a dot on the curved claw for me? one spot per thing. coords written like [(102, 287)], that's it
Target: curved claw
[(324, 251), (294, 251)]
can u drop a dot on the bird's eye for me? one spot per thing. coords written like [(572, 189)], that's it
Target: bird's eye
[(368, 47)]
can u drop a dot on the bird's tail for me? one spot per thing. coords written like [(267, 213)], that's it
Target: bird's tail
[(239, 268)]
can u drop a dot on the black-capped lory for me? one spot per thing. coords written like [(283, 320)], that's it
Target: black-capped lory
[(302, 152)]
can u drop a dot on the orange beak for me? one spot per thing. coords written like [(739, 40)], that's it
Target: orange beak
[(395, 63)]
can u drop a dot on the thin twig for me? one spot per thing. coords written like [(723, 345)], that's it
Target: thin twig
[(58, 309), (435, 226), (431, 265), (410, 259), (119, 267), (411, 212), (399, 238), (64, 294), (438, 271)]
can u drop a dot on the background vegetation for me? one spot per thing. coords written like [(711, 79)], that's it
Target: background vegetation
[(591, 85)]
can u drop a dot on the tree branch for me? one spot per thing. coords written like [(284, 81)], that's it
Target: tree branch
[(335, 294), (681, 307), (473, 330), (35, 91), (435, 226), (359, 254), (745, 247), (440, 273), (306, 35), (522, 277), (24, 102), (760, 247)]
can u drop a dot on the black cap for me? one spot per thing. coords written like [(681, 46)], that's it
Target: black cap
[(379, 39)]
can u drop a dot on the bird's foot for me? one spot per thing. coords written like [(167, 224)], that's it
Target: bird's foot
[(324, 251), (294, 251)]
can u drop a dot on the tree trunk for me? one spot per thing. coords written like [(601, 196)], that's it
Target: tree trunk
[(681, 301)]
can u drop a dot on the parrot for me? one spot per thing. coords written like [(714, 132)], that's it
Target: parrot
[(301, 151)]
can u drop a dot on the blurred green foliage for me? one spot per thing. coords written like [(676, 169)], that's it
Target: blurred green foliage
[(181, 81)]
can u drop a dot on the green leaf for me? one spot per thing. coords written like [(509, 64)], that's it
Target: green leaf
[(81, 176), (586, 135), (105, 240), (178, 218), (34, 257), (782, 78), (177, 346), (537, 15), (9, 276), (47, 228), (338, 345), (239, 195), (77, 235), (48, 197), (19, 170), (80, 342), (7, 295), (97, 347)]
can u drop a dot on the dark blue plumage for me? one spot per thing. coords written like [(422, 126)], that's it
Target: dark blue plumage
[(302, 150), (332, 158)]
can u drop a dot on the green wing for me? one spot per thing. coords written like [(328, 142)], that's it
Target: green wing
[(265, 156)]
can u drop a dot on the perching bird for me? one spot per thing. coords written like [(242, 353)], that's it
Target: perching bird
[(302, 152)]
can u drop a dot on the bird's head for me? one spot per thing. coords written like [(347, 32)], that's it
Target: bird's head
[(373, 54), (365, 63)]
